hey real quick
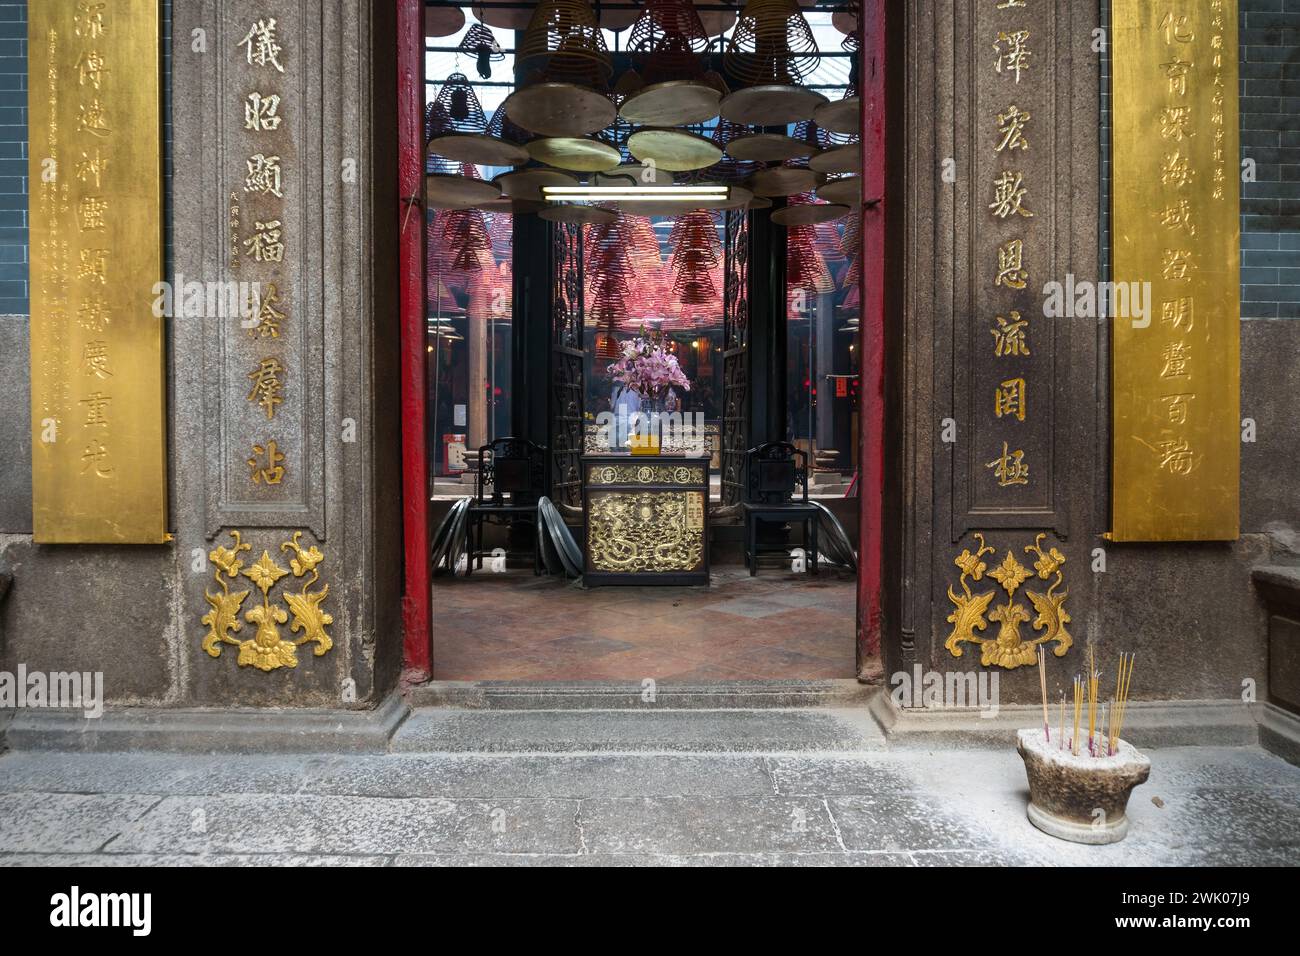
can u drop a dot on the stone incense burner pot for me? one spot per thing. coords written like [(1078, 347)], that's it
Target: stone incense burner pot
[(1083, 798)]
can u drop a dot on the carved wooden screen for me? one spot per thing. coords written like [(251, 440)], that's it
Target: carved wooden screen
[(735, 358), (567, 359)]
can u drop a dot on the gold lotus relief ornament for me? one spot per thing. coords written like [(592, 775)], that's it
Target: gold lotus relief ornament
[(268, 649), (1009, 648)]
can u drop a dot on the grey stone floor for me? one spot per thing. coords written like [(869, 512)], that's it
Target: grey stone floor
[(910, 808)]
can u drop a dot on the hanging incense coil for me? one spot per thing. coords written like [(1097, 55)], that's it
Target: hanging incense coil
[(772, 43), (458, 128), (669, 27), (565, 36), (697, 250), (456, 107), (847, 19), (480, 43)]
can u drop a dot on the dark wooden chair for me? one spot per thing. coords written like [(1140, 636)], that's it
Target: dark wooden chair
[(776, 489), (511, 477)]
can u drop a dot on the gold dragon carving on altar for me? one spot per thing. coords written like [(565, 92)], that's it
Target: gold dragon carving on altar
[(645, 531), (1008, 648), (268, 649)]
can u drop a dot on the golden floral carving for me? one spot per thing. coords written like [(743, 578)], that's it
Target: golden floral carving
[(1008, 648), (268, 649)]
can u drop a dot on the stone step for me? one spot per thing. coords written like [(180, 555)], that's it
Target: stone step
[(653, 729), (633, 695)]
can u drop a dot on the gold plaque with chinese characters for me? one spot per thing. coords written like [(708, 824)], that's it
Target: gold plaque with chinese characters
[(1176, 369), (99, 450)]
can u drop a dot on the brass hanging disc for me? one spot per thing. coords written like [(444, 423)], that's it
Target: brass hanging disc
[(559, 109), (760, 202), (526, 184), (443, 21), (841, 159), (616, 21), (511, 207), (773, 104), (717, 22), (673, 149), (580, 214), (442, 191), (738, 198), (840, 116), (807, 213), (846, 191), (579, 153), (785, 181), (634, 174), (673, 103), (479, 149), (769, 148), (504, 18)]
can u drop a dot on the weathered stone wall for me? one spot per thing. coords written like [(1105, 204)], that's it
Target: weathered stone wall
[(134, 612), (1189, 611)]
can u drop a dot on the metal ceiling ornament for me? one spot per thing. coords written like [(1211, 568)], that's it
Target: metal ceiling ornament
[(846, 190), (560, 109), (676, 150), (443, 21), (578, 153)]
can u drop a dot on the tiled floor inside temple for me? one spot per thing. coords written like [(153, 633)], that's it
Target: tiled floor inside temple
[(516, 626)]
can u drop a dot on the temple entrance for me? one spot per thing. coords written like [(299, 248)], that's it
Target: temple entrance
[(579, 524)]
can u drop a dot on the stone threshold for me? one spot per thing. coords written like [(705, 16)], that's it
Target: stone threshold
[(531, 717), (1177, 723), (638, 696), (207, 731)]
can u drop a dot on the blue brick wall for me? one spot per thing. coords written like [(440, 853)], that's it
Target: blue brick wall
[(13, 151), (1269, 87), (13, 158), (1270, 135)]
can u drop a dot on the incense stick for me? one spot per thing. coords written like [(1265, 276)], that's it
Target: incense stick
[(1042, 686)]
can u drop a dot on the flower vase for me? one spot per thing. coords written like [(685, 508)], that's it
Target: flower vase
[(645, 438)]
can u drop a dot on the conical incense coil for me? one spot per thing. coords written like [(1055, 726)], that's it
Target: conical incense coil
[(480, 43), (502, 128), (772, 43), (456, 109), (564, 35), (667, 41)]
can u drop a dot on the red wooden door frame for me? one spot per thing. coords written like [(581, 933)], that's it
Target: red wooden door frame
[(418, 573), (871, 341), (417, 599)]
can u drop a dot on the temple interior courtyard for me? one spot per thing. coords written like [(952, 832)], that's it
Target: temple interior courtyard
[(515, 626)]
